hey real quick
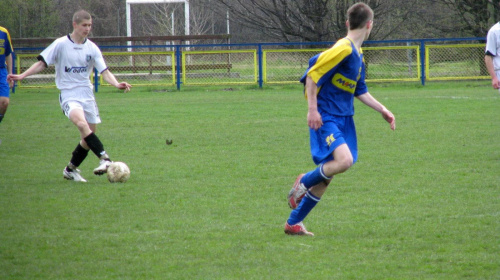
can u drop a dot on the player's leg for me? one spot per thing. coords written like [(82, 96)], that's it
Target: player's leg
[(4, 103), (305, 182), (71, 171), (75, 113), (294, 225), (86, 121), (345, 154), (316, 183), (343, 160), (77, 117), (325, 172), (97, 147), (4, 93), (342, 157), (328, 146)]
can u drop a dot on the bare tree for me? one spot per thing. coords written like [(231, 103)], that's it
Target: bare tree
[(257, 20), (169, 19), (312, 20), (473, 17), (288, 20)]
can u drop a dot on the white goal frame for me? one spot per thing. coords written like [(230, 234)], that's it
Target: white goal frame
[(130, 2)]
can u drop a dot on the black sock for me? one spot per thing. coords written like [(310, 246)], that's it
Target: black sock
[(95, 145), (1, 117), (79, 154)]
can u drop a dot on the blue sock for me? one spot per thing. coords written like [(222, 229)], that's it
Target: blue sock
[(314, 177), (305, 206), (1, 117)]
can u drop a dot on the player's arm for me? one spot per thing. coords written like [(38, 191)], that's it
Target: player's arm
[(34, 69), (111, 79), (314, 120), (488, 60), (370, 101)]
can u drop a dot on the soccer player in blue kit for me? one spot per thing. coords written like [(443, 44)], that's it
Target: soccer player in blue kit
[(331, 82), (5, 69)]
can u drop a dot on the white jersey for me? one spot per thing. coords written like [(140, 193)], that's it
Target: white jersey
[(493, 45), (73, 62)]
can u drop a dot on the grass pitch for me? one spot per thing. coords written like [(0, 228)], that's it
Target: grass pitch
[(422, 202)]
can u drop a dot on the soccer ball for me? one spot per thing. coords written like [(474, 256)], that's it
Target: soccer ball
[(118, 172)]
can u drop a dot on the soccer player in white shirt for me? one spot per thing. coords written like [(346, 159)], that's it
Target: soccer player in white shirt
[(492, 55), (74, 57)]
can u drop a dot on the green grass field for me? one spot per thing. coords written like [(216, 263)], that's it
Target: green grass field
[(422, 202)]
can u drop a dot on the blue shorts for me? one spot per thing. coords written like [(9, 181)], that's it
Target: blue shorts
[(334, 132), (4, 86)]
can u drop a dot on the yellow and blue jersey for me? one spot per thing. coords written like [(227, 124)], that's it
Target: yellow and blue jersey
[(5, 46), (5, 51), (339, 73)]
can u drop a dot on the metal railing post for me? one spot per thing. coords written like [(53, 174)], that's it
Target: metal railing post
[(260, 61), (96, 81), (422, 61), (178, 66)]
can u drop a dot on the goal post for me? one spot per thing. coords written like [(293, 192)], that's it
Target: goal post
[(131, 2)]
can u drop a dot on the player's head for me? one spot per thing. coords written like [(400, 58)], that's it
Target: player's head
[(80, 16), (82, 23), (359, 16)]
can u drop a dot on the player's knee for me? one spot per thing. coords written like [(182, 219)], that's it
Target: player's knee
[(345, 163), (4, 102), (82, 126)]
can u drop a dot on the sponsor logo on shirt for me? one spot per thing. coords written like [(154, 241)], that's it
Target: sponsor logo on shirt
[(2, 49), (76, 70), (344, 83)]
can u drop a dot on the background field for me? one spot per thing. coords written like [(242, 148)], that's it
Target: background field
[(421, 203)]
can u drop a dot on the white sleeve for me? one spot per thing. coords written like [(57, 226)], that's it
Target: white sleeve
[(50, 53), (100, 64), (491, 43)]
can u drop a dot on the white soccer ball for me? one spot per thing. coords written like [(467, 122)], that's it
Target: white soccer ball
[(118, 172)]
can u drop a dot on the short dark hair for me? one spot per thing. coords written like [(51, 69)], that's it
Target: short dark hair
[(80, 16), (358, 15)]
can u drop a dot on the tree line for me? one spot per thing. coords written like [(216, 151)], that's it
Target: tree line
[(255, 20)]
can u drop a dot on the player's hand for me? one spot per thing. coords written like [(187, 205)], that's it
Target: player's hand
[(124, 85), (11, 78), (314, 120), (389, 117), (495, 83)]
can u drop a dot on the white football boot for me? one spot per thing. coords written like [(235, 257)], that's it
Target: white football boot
[(103, 167), (73, 175)]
